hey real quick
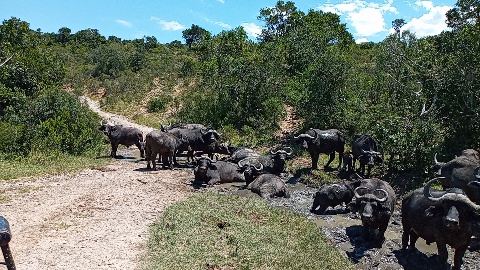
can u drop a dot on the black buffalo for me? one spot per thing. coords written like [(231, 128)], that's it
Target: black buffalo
[(199, 140), (163, 144), (275, 161), (375, 202), (347, 159), (268, 186), (213, 172), (461, 172), (323, 142), (366, 149), (119, 134), (182, 125), (444, 217), (333, 195)]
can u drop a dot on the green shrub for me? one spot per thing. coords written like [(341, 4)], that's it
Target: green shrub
[(159, 104)]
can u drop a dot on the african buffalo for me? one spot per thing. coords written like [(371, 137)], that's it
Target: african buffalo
[(375, 202), (461, 172), (203, 140), (275, 161), (333, 195), (347, 159), (268, 186), (444, 217), (182, 125), (164, 144), (242, 153), (128, 136), (323, 141), (366, 149), (213, 172)]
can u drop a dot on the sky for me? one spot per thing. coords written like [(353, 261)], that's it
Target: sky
[(366, 20)]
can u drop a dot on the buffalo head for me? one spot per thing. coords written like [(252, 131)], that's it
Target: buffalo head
[(107, 128), (371, 208), (210, 135), (251, 168), (306, 138)]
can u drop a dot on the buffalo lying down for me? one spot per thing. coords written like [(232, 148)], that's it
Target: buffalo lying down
[(333, 195), (213, 172), (268, 186)]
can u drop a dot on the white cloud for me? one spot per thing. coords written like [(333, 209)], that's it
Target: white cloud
[(252, 29), (169, 26), (124, 23), (367, 21), (221, 24), (367, 18), (431, 23), (361, 40), (221, 1)]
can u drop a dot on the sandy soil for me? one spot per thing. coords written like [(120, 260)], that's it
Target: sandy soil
[(95, 219)]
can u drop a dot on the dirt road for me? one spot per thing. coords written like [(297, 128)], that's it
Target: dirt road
[(95, 219)]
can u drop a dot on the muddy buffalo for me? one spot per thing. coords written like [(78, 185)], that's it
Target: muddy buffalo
[(444, 217), (201, 140), (331, 195), (268, 186), (318, 142), (119, 134), (365, 149), (461, 172), (375, 202), (214, 172), (163, 144)]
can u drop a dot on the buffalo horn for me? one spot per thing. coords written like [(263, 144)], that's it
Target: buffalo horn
[(384, 192), (273, 153), (260, 167), (450, 196), (288, 150), (302, 136), (240, 163), (358, 196)]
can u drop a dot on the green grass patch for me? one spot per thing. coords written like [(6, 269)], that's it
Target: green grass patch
[(212, 231), (43, 164)]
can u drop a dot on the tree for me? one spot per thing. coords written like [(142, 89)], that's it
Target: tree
[(194, 35), (278, 20), (397, 24), (63, 35), (466, 12)]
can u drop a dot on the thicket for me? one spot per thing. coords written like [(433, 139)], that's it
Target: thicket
[(417, 96)]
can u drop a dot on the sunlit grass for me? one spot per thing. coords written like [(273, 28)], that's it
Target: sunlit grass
[(211, 231), (44, 164)]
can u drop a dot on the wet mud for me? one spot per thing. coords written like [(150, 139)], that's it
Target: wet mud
[(344, 229)]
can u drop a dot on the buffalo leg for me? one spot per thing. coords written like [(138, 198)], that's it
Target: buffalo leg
[(114, 150), (458, 258), (405, 237), (314, 161), (7, 255), (340, 159), (141, 148), (332, 157), (442, 253)]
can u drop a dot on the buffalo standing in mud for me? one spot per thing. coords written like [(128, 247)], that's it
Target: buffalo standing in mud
[(375, 202), (366, 149), (163, 144), (213, 172), (318, 142), (128, 136), (333, 195), (461, 172), (444, 217)]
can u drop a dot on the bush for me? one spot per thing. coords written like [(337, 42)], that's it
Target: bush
[(159, 104)]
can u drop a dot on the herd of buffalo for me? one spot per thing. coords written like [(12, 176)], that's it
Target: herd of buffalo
[(448, 217)]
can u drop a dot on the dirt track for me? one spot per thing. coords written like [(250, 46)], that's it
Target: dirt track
[(96, 219)]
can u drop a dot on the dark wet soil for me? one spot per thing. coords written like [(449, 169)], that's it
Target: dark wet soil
[(345, 231)]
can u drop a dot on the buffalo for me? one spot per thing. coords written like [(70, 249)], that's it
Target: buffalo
[(203, 140), (119, 134), (328, 142), (445, 217), (213, 172), (242, 153), (182, 125), (347, 159), (275, 161), (375, 202), (333, 195), (165, 145), (268, 186), (366, 149), (461, 172)]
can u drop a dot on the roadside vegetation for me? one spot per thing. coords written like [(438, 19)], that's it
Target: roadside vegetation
[(212, 231)]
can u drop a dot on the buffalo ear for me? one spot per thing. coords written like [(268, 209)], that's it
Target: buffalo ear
[(431, 211), (213, 166)]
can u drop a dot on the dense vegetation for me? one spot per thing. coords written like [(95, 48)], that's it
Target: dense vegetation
[(211, 231), (417, 96)]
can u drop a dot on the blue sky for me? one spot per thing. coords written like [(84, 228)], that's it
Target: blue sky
[(367, 20)]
